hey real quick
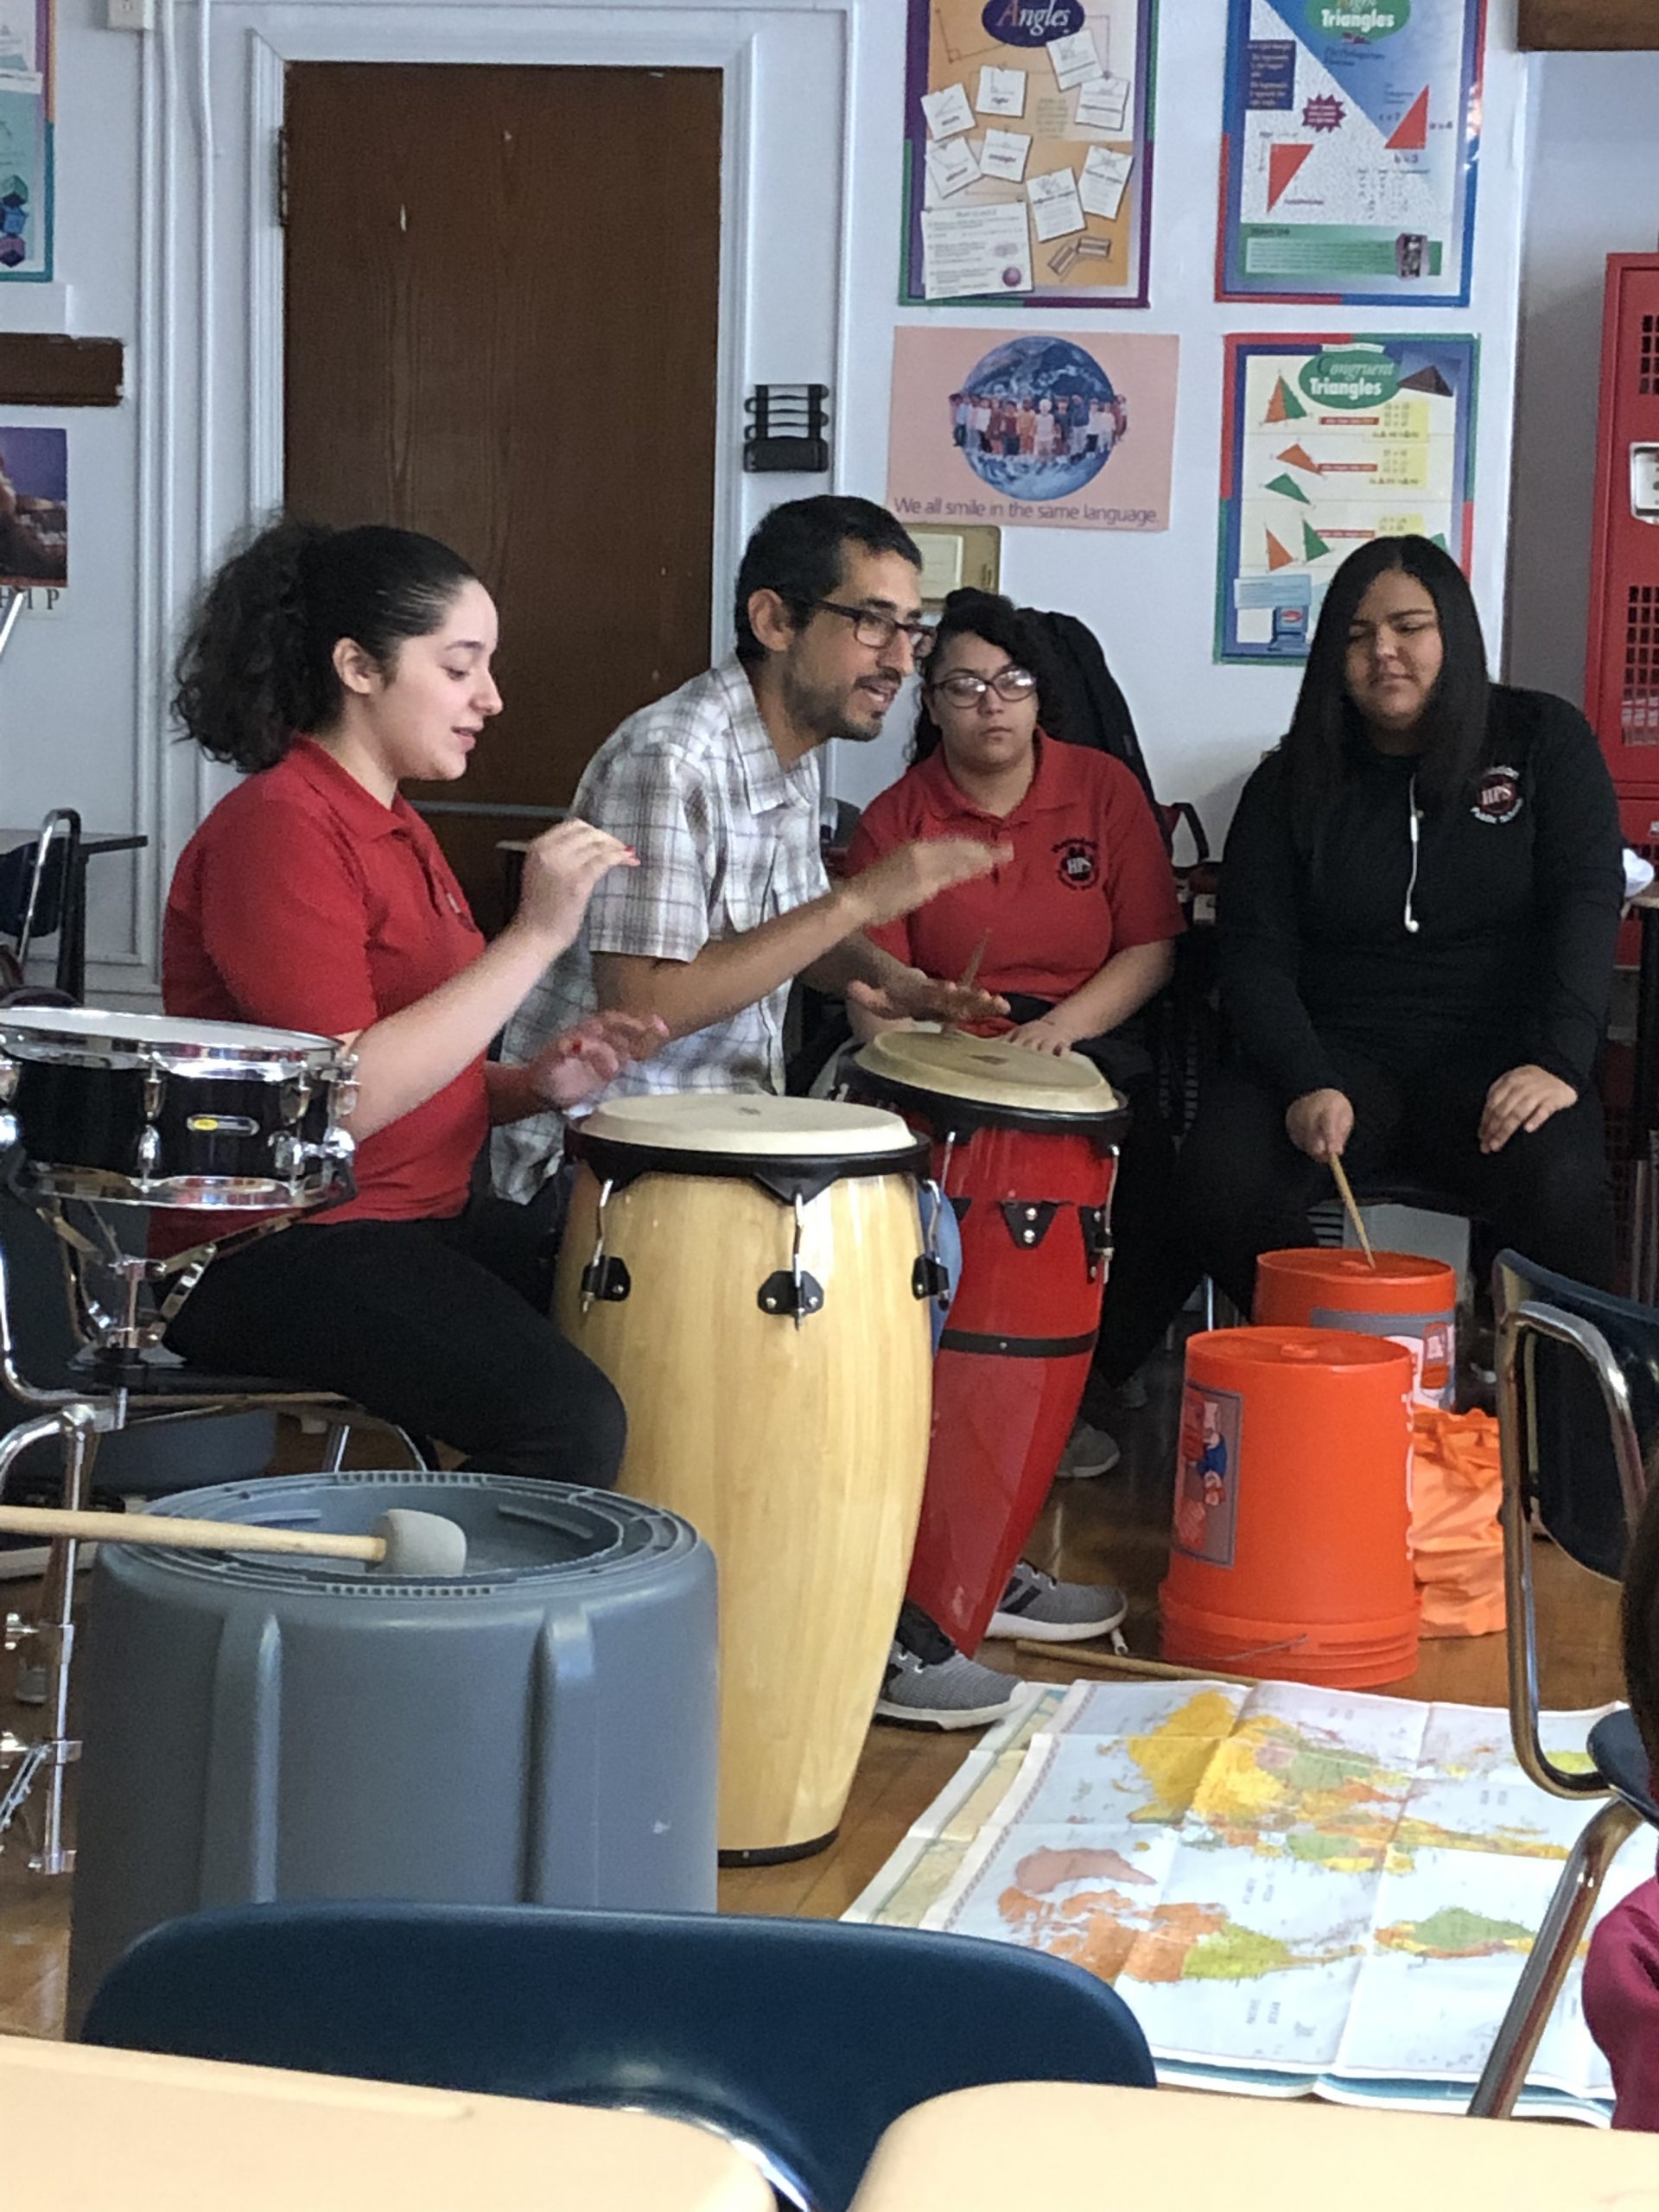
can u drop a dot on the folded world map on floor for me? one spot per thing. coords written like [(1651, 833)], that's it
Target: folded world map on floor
[(1296, 1891)]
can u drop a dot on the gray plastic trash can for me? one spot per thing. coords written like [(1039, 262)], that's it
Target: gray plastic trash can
[(541, 1729)]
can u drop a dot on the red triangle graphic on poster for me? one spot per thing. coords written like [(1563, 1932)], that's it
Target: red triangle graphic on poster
[(1299, 457), (1277, 556), (1412, 133), (1283, 162)]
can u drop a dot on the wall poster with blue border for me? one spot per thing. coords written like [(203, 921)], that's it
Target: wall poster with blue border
[(1328, 441), (26, 95), (1028, 152), (1349, 151)]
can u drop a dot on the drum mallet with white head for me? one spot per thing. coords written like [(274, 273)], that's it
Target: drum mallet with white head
[(403, 1543)]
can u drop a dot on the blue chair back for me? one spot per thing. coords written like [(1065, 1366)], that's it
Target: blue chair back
[(1573, 1474), (802, 2038)]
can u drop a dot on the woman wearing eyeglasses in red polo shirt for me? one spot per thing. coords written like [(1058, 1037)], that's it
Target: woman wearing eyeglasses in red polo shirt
[(1079, 928), (330, 666)]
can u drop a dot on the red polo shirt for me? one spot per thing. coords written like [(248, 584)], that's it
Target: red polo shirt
[(1090, 876), (303, 903)]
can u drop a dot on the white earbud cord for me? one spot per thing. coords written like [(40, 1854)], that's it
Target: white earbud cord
[(1411, 887)]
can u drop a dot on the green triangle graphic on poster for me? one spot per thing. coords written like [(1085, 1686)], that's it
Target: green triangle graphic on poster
[(1284, 406), (1292, 490), (1312, 543), (1439, 539)]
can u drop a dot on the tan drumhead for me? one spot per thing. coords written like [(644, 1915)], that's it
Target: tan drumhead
[(989, 1070), (752, 1123)]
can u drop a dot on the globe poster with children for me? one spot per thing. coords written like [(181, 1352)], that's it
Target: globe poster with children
[(1062, 428)]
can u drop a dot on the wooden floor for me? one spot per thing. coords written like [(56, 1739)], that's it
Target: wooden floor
[(1111, 1530)]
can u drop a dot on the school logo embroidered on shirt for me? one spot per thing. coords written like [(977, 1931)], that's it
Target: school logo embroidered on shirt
[(1079, 859), (1499, 795)]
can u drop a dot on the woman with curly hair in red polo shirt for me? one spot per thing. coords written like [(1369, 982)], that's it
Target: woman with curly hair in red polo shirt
[(1079, 928), (330, 666)]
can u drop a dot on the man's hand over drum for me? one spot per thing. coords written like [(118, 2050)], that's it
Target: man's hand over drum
[(895, 885)]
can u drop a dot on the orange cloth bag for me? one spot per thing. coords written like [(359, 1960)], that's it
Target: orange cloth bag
[(1456, 1540)]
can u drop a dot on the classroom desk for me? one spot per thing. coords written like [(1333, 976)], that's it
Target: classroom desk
[(1074, 2149), (84, 2130)]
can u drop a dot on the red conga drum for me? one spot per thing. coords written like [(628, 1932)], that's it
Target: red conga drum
[(1025, 1146)]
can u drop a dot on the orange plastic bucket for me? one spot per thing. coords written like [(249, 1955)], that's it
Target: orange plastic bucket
[(1410, 1298), (1290, 1554)]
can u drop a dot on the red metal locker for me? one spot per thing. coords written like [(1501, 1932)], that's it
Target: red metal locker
[(1621, 684)]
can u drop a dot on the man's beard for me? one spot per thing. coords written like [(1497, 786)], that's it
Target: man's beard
[(825, 713)]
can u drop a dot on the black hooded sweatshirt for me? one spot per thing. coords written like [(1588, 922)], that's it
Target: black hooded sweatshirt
[(1515, 888)]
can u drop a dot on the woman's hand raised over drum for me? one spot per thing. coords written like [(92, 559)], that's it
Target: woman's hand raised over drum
[(561, 869), (571, 1067)]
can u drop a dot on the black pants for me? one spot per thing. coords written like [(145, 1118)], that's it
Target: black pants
[(1243, 1188), (441, 1326)]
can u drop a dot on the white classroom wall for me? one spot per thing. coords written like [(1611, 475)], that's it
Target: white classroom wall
[(79, 719), (1151, 597)]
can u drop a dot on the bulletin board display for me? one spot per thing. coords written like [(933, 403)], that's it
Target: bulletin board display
[(26, 95), (1028, 146)]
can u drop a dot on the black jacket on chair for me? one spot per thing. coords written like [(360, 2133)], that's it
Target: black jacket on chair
[(1082, 702)]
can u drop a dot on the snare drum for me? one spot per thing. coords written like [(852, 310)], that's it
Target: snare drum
[(144, 1110), (748, 1271), (1025, 1146)]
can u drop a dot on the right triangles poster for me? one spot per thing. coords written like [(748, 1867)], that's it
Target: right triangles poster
[(1347, 166)]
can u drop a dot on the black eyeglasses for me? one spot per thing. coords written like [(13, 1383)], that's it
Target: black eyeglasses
[(878, 631), (963, 688)]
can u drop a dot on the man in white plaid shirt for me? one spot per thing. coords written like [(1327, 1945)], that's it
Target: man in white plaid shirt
[(715, 790)]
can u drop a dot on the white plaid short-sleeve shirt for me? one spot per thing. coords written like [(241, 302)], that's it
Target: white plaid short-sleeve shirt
[(728, 838)]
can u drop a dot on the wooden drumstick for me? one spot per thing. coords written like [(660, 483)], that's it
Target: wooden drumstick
[(1349, 1200), (971, 970), (1121, 1663), (407, 1543)]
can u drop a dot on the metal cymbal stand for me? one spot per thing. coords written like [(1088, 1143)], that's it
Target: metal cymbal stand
[(77, 1425)]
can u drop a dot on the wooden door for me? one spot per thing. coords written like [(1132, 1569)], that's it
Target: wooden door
[(502, 300)]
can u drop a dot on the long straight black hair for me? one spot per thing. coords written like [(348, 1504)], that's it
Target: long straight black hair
[(1321, 746)]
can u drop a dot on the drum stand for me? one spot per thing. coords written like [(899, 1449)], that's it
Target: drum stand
[(115, 1334)]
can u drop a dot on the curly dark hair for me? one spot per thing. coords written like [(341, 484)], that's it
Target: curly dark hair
[(988, 614), (256, 669)]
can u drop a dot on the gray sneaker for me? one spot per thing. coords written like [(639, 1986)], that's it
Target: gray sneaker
[(1034, 1604), (932, 1685), (1090, 1451)]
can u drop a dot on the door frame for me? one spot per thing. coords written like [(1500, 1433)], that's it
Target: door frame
[(211, 282)]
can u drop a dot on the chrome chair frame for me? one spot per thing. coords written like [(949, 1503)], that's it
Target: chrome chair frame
[(1520, 1330), (76, 1414)]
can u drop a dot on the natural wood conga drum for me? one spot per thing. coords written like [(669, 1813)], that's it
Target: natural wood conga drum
[(749, 1272)]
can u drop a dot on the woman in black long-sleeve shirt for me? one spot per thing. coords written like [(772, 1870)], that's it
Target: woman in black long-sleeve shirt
[(1418, 911)]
